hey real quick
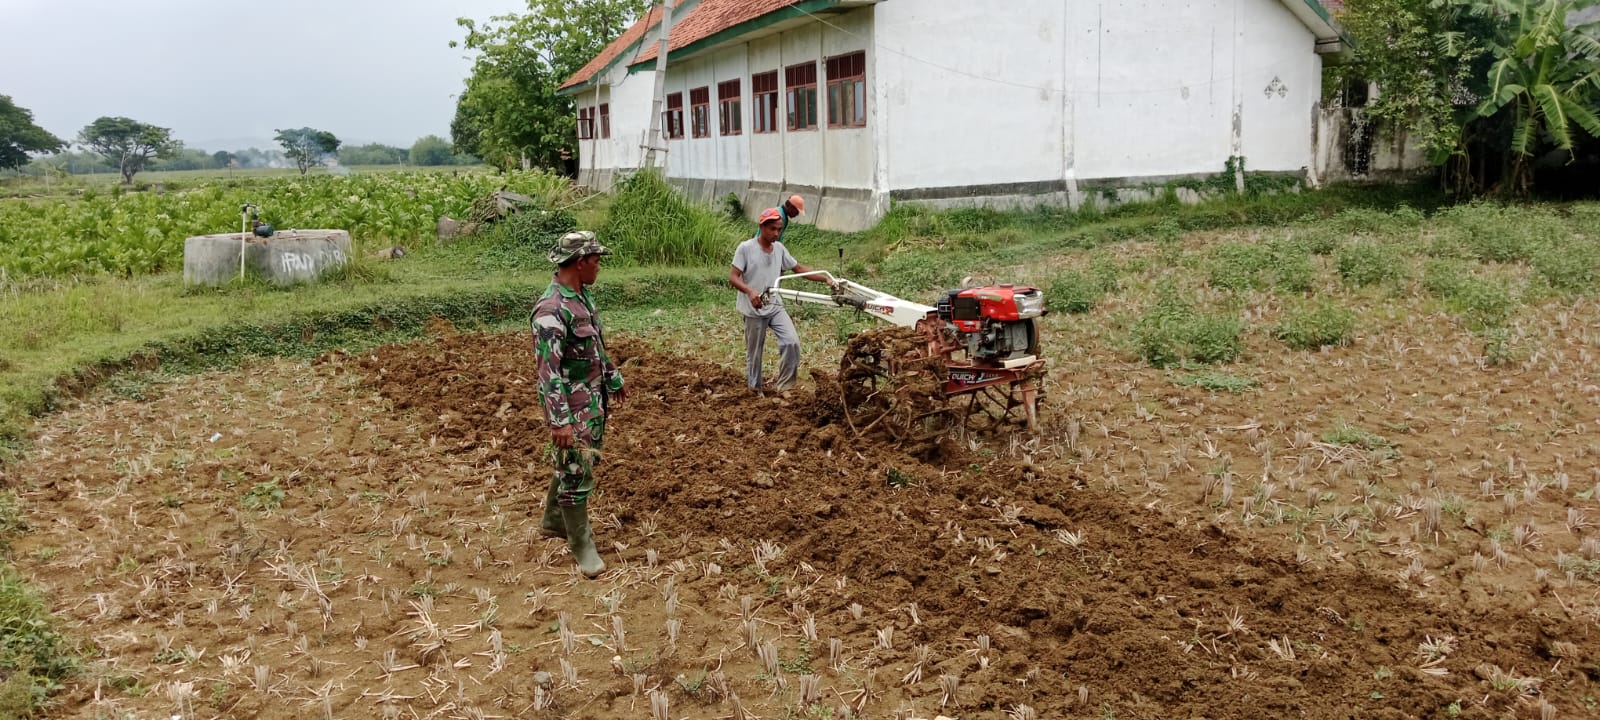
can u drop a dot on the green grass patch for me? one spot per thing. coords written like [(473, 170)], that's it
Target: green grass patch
[(34, 657), (1316, 326), (1364, 263), (1215, 381), (1174, 331), (651, 223), (1344, 433), (1077, 292), (1569, 265)]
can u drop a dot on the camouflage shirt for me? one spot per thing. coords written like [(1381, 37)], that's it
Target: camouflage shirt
[(575, 373)]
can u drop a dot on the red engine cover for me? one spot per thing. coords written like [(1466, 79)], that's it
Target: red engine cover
[(998, 302)]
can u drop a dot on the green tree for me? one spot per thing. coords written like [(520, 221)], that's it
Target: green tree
[(128, 144), (371, 154), (20, 137), (510, 108), (432, 150), (223, 158), (1427, 59), (1545, 82), (307, 147)]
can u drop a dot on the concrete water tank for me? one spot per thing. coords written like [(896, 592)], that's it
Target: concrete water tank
[(289, 256)]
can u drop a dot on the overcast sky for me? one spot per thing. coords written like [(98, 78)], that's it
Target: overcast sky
[(223, 74)]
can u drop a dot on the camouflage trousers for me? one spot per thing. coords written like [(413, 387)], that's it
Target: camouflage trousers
[(574, 466)]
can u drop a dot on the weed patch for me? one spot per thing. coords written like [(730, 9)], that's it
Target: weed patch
[(1215, 381), (1173, 331), (34, 658), (652, 223), (1312, 328), (1369, 262)]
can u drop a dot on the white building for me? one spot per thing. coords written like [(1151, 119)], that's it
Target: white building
[(859, 103)]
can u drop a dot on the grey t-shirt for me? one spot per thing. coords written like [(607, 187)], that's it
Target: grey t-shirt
[(760, 270)]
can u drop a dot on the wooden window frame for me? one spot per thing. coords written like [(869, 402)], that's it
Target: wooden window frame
[(673, 117), (800, 88), (730, 106), (847, 90), (605, 121), (700, 112), (586, 123), (764, 105)]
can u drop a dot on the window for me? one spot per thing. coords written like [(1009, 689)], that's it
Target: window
[(729, 100), (586, 123), (674, 116), (700, 111), (605, 120), (802, 83), (765, 89), (847, 90)]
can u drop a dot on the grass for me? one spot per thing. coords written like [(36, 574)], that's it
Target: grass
[(1314, 327), (651, 223), (1173, 330), (1215, 381)]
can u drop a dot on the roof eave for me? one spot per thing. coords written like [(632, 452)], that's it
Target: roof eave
[(1331, 36), (736, 32)]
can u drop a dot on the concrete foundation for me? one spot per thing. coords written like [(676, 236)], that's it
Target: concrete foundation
[(288, 257)]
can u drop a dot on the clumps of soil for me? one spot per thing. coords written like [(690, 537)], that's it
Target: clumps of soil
[(1090, 603)]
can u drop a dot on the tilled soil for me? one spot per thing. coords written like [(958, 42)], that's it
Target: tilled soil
[(1146, 614), (400, 573)]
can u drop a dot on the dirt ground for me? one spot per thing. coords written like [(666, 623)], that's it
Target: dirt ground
[(358, 538)]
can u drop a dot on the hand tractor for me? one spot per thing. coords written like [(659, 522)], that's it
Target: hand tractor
[(981, 343)]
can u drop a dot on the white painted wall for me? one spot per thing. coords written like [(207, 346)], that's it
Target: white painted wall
[(1048, 90), (1275, 46), (766, 149), (947, 126), (850, 155), (732, 151), (1090, 89), (1151, 86)]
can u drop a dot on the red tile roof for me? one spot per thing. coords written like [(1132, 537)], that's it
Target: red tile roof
[(617, 47), (710, 17)]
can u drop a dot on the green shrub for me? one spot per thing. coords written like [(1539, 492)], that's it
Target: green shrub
[(1073, 292), (1571, 266), (1483, 302), (1238, 266), (1172, 331), (34, 658), (1316, 327), (1444, 278), (1292, 268), (1495, 233), (537, 226), (1367, 221), (652, 223), (1370, 262), (733, 208)]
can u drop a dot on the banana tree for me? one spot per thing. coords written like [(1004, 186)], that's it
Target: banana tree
[(1545, 80)]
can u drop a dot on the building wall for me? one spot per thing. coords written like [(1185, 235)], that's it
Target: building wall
[(1281, 87), (1051, 98), (602, 159), (759, 167), (949, 126), (1090, 91)]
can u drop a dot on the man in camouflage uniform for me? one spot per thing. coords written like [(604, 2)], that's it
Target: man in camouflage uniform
[(578, 384)]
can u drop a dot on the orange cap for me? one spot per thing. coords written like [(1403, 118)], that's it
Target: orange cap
[(798, 202), (770, 215)]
